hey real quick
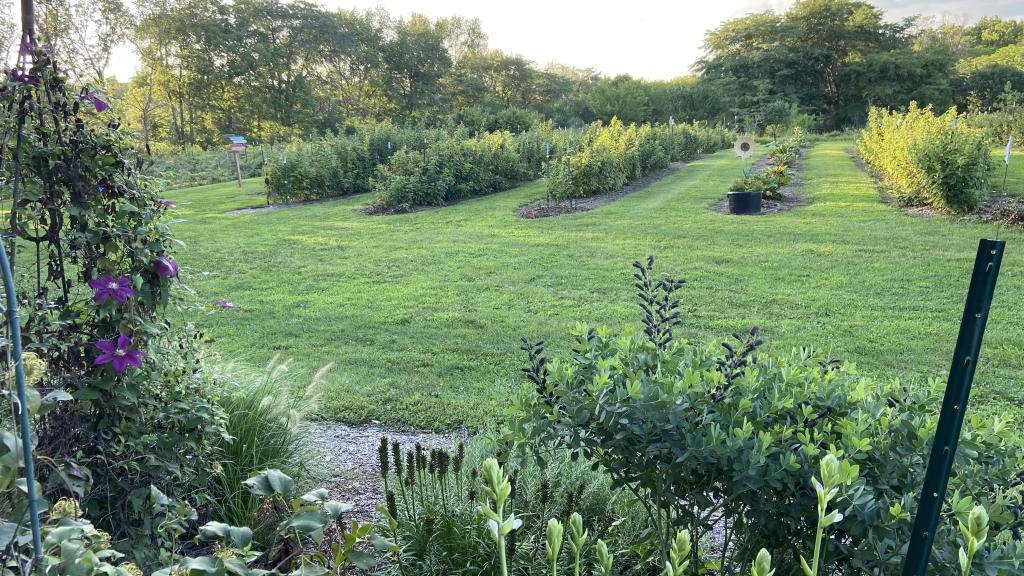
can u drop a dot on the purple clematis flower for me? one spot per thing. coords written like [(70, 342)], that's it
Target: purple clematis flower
[(110, 288), (119, 355), (97, 102), (225, 305), (165, 203), (166, 267), (23, 78)]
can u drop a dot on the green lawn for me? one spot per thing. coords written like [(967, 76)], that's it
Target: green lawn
[(1015, 174), (422, 313)]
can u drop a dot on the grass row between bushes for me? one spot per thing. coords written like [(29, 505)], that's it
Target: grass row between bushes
[(424, 326)]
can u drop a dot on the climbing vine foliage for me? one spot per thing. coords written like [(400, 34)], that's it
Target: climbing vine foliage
[(91, 244)]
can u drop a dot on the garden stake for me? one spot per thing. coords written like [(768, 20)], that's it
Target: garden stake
[(19, 374), (954, 405)]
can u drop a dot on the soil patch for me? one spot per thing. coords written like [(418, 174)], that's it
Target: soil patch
[(344, 460), (543, 209)]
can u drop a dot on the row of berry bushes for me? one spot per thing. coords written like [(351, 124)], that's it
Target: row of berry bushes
[(927, 160), (608, 156), (340, 165), (457, 167), (770, 179)]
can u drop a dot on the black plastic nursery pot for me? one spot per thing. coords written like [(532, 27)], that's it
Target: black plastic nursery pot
[(745, 202)]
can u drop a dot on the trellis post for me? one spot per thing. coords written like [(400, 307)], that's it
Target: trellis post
[(23, 415)]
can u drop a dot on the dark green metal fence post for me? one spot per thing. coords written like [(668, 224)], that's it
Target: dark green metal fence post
[(23, 415), (954, 405)]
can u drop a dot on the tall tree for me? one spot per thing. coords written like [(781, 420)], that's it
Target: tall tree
[(818, 53)]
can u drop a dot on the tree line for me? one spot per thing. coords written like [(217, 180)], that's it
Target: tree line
[(278, 71)]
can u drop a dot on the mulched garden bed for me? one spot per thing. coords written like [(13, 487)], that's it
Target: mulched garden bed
[(789, 195), (542, 209), (271, 207), (1001, 208)]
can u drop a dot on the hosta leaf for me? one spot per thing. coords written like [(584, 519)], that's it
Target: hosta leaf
[(362, 560), (270, 482), (309, 570), (318, 495), (335, 509), (307, 523)]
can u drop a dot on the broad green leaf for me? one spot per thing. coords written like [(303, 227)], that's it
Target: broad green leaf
[(270, 482)]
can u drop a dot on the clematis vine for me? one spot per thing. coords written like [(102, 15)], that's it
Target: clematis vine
[(166, 267), (110, 288), (119, 354), (23, 78)]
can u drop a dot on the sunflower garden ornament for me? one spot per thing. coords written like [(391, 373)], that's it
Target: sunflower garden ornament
[(744, 147)]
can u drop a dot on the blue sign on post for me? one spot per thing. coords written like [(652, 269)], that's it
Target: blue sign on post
[(237, 139)]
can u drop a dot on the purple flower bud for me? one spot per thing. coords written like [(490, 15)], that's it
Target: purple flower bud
[(166, 267), (97, 102), (23, 78)]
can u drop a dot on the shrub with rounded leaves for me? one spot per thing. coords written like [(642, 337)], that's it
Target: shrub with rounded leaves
[(608, 156), (723, 434)]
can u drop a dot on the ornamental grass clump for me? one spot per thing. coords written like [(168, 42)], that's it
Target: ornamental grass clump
[(263, 415)]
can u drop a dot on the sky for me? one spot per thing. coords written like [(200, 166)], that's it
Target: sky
[(649, 39)]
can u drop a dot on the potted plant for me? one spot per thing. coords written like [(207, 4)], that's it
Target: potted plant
[(745, 194)]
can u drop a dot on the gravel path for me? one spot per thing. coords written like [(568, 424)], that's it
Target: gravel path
[(344, 460)]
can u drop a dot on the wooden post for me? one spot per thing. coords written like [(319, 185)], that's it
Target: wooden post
[(238, 167)]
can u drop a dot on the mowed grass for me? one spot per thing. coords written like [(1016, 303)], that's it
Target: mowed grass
[(422, 313), (1014, 173)]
